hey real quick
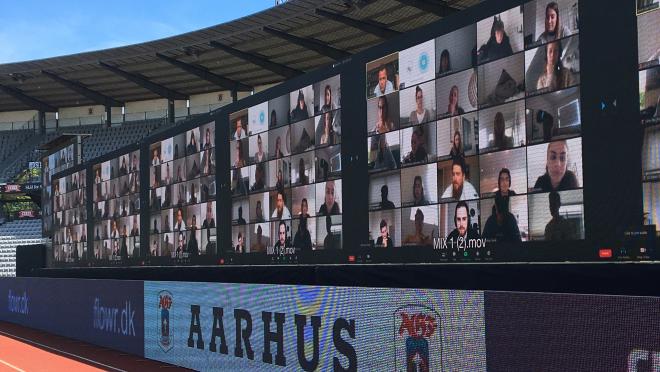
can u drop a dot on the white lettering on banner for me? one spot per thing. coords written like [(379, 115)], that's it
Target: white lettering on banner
[(18, 304), (114, 320)]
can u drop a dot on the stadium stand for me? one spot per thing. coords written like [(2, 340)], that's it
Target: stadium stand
[(12, 235)]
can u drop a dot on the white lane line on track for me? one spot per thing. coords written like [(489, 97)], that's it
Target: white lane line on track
[(11, 366)]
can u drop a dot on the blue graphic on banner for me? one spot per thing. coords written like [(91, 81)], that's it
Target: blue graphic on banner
[(423, 62), (104, 312), (211, 326)]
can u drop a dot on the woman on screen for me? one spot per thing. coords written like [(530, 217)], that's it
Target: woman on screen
[(240, 162), (555, 75), (420, 114), (277, 154), (383, 123), (453, 108), (445, 63), (384, 158), (418, 192), (457, 146), (557, 177), (328, 136), (328, 105), (504, 183), (554, 29), (500, 140), (498, 45), (300, 112), (260, 155)]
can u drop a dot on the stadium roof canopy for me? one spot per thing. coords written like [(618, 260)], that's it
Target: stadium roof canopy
[(263, 48)]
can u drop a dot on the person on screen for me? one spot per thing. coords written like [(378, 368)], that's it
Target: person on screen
[(557, 176), (180, 224), (554, 29), (123, 252), (277, 154), (555, 75), (300, 112), (303, 239), (154, 248), (135, 231), (328, 104), (115, 248), (282, 240), (384, 203), (239, 162), (124, 213), (240, 220), (179, 174), (281, 212), (452, 107), (330, 242), (329, 206), (209, 221), (558, 228), (207, 162), (460, 189), (498, 45), (155, 230), (182, 195), (193, 194), (500, 140), (239, 133), (502, 225), (273, 119), (259, 174), (167, 247), (328, 136), (259, 218), (384, 158), (193, 247), (97, 177), (167, 198), (462, 221), (237, 183), (418, 192), (155, 159), (420, 114), (504, 184), (182, 245), (193, 171), (123, 169), (259, 245), (260, 155), (114, 231), (384, 86), (417, 147), (383, 121), (303, 179), (445, 63), (384, 240), (279, 185), (166, 223), (457, 151), (304, 209), (207, 140), (98, 235), (418, 237)]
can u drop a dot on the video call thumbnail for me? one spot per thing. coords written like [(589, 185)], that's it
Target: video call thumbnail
[(503, 173), (418, 144), (553, 66), (555, 166), (647, 37), (383, 114), (417, 106), (457, 136), (383, 76), (546, 21), (501, 81), (554, 116), (459, 219), (556, 215), (500, 36), (458, 179), (456, 51), (456, 94), (502, 127), (416, 64)]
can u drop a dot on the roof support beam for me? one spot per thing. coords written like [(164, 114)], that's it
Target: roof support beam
[(260, 61), (439, 8), (370, 27), (145, 83), (205, 74), (32, 102), (311, 44), (81, 89)]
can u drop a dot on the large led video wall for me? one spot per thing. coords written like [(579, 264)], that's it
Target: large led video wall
[(182, 202), (286, 167), (648, 43), (116, 208), (54, 163), (475, 136), (70, 219)]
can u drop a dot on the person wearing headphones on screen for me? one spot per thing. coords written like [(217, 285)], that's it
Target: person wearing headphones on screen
[(463, 224), (557, 176), (460, 189)]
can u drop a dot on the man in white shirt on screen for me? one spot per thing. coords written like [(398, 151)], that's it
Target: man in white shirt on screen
[(281, 212), (384, 86), (460, 189)]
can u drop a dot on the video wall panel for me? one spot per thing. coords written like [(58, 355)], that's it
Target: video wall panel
[(475, 136), (54, 163), (182, 202), (286, 172), (70, 219), (116, 208), (648, 43)]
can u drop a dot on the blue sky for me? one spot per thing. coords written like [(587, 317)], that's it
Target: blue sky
[(34, 29)]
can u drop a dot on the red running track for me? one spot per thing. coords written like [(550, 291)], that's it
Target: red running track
[(26, 349)]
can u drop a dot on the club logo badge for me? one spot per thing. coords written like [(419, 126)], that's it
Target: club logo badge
[(165, 339), (418, 345)]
